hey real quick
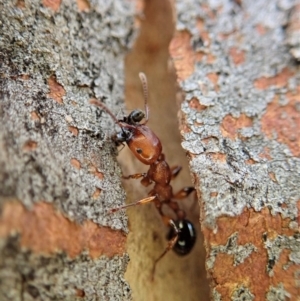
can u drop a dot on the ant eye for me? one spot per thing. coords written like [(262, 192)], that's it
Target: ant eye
[(139, 151)]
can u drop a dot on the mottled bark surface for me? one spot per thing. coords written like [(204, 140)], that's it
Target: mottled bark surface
[(241, 129), (235, 63), (58, 174)]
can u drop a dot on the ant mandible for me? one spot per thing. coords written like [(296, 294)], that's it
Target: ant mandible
[(147, 148)]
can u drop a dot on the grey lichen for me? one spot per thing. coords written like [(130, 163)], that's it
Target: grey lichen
[(239, 252), (276, 246), (216, 296), (277, 293), (242, 293)]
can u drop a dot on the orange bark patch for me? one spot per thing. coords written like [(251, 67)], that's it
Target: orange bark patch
[(29, 146), (210, 58), (214, 77), (45, 230), (265, 154), (95, 172), (34, 116), (250, 161), (218, 157), (250, 226), (96, 193), (184, 57), (56, 90), (261, 29), (195, 104), (284, 121), (75, 163), (24, 77), (237, 55), (231, 125), (52, 4), (212, 14), (182, 54), (280, 80), (20, 4), (184, 129), (80, 293), (83, 5), (73, 130)]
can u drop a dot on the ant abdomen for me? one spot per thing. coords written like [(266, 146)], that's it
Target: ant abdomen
[(186, 237)]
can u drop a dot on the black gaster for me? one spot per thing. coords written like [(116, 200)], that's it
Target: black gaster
[(186, 239)]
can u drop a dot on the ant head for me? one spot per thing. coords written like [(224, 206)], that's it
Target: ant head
[(123, 136), (135, 117)]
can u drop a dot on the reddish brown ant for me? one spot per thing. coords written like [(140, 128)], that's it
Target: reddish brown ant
[(146, 146)]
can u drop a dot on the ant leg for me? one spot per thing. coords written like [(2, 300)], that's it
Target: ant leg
[(135, 176), (179, 212), (170, 245), (123, 145), (175, 171), (140, 202), (145, 179), (184, 192)]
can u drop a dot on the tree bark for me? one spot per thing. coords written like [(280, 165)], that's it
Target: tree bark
[(235, 64), (241, 129), (58, 171)]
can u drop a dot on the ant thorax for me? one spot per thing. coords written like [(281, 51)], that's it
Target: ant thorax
[(141, 140)]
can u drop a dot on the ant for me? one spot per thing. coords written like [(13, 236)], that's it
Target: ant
[(147, 148)]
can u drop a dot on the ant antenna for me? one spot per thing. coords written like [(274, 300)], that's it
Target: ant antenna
[(102, 106), (143, 79)]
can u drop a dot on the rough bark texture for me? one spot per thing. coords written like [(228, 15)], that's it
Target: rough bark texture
[(58, 174), (241, 129), (240, 126)]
